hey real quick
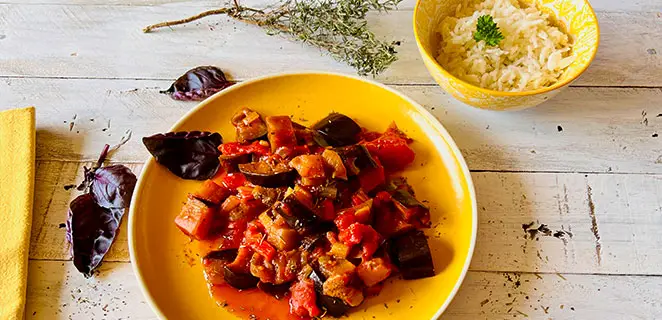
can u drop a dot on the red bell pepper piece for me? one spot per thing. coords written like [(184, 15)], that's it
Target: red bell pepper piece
[(259, 148), (370, 178), (234, 180), (392, 148)]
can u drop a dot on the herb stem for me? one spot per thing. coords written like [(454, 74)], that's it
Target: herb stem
[(186, 20), (339, 26)]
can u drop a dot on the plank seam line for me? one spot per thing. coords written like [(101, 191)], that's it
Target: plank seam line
[(610, 274), (189, 4), (566, 172), (69, 260), (471, 270), (400, 84), (91, 160), (471, 170)]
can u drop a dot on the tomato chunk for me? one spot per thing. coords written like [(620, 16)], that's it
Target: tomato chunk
[(196, 219), (363, 234), (392, 148), (302, 301)]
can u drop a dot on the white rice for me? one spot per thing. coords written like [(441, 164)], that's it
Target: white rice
[(533, 54)]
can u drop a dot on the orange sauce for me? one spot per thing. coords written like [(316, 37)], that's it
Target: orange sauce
[(252, 302), (246, 304)]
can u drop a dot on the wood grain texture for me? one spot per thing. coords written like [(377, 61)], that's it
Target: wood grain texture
[(598, 5), (57, 291), (104, 41), (51, 205), (588, 162), (602, 129), (626, 209)]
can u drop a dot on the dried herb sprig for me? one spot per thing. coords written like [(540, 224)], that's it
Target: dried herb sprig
[(338, 26)]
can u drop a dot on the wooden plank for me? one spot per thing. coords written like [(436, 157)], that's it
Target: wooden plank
[(625, 208), (57, 291), (51, 205), (597, 223), (601, 5), (603, 129), (106, 41), (550, 296)]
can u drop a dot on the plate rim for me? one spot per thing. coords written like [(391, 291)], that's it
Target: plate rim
[(436, 124)]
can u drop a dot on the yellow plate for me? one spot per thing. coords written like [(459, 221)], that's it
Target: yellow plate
[(164, 259)]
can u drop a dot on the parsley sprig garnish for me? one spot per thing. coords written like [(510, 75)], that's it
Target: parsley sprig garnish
[(488, 31)]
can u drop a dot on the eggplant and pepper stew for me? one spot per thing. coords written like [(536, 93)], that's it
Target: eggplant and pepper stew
[(315, 215)]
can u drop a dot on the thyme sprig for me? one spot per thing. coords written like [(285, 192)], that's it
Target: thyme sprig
[(338, 26)]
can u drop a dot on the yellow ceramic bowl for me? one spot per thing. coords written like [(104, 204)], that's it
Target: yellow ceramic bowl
[(576, 16), (164, 259)]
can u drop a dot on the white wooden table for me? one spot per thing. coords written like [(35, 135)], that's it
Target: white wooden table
[(589, 161)]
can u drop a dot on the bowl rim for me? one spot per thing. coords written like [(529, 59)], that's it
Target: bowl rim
[(140, 185), (554, 86)]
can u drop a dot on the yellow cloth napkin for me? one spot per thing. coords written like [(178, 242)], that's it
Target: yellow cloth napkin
[(17, 163)]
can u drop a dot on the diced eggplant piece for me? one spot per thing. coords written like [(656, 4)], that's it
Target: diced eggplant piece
[(268, 174), (297, 215), (356, 158), (412, 255), (412, 210), (339, 286), (214, 264), (355, 260), (269, 196), (211, 193), (310, 167), (239, 280), (407, 199), (339, 250), (330, 266), (333, 306), (262, 268), (309, 242), (197, 219), (307, 136), (397, 183), (277, 291), (280, 132), (231, 163), (248, 125), (279, 234), (333, 160), (227, 255), (338, 130), (374, 271)]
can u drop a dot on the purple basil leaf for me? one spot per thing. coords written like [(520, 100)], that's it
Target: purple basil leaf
[(88, 174), (198, 84), (113, 186), (91, 229), (189, 155)]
